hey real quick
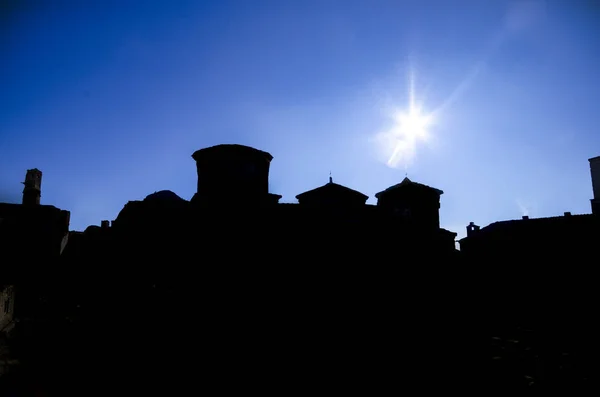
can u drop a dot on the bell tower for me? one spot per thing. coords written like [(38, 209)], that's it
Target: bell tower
[(33, 187)]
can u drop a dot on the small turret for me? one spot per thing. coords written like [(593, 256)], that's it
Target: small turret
[(472, 229), (33, 187)]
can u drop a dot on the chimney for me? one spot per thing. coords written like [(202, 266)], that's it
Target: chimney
[(525, 217), (595, 171), (472, 228), (33, 187), (104, 224), (567, 213)]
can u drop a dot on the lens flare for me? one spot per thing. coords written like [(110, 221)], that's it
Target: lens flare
[(410, 127), (413, 124)]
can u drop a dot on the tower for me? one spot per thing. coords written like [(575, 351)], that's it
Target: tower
[(472, 229), (414, 202), (33, 187), (595, 171), (233, 174)]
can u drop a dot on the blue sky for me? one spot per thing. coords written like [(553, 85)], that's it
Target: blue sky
[(110, 98)]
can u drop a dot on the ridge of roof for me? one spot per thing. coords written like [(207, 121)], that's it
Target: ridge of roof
[(408, 182), (331, 185)]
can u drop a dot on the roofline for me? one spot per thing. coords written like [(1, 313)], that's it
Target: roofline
[(19, 205), (532, 220), (248, 149), (392, 188), (594, 159), (332, 183), (449, 231)]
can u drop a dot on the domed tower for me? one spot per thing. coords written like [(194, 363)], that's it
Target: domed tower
[(230, 174), (414, 202)]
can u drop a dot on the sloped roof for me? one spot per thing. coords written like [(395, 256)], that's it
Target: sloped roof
[(407, 182), (230, 149), (332, 188), (163, 195), (544, 224)]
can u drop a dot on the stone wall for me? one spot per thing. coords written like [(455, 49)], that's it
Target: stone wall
[(6, 306)]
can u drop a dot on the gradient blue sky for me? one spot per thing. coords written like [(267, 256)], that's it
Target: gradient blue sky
[(110, 98)]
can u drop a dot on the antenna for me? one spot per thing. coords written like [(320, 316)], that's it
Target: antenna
[(330, 178)]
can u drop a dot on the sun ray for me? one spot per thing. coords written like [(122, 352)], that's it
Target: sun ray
[(411, 126)]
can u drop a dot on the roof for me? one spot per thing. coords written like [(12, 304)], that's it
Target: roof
[(332, 188), (45, 226), (12, 209), (407, 182), (230, 149), (594, 159), (545, 223), (163, 195)]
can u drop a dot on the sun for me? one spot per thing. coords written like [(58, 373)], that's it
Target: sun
[(413, 125), (410, 127)]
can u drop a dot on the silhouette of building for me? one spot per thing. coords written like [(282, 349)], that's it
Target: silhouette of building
[(255, 276), (233, 175), (233, 205), (332, 195), (235, 273), (31, 231), (572, 236), (235, 284), (32, 237), (32, 191), (559, 247), (539, 274)]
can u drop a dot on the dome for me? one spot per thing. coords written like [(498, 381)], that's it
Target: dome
[(163, 195), (230, 150)]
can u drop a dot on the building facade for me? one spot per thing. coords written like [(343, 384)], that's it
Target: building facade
[(235, 279), (32, 237), (539, 278), (279, 282)]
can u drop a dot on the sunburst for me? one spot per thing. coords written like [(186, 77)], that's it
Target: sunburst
[(411, 126)]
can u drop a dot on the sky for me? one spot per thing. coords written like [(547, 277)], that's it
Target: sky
[(110, 99)]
